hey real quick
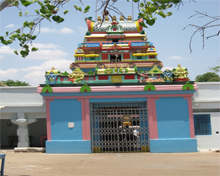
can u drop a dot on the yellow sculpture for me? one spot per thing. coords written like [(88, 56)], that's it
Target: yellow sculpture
[(53, 71), (76, 75), (106, 18), (181, 72), (129, 18), (114, 18), (99, 18), (121, 18)]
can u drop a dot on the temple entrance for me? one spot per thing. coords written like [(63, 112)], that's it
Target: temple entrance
[(119, 127)]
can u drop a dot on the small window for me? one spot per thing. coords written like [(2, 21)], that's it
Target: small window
[(202, 124), (92, 58), (139, 57), (115, 40), (152, 57), (79, 58)]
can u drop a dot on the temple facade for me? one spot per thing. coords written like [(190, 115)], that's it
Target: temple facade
[(116, 98)]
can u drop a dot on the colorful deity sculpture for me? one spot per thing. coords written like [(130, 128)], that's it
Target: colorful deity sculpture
[(180, 74), (168, 75), (153, 76), (143, 76), (76, 76), (52, 75)]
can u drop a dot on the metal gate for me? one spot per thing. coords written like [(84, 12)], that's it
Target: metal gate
[(119, 127)]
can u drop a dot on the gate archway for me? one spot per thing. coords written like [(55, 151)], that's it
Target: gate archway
[(119, 127)]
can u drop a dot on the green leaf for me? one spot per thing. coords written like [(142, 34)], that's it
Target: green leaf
[(161, 14), (31, 24), (25, 3), (26, 46), (141, 15), (6, 33), (151, 21), (16, 3), (56, 18), (26, 13), (60, 20), (2, 38), (34, 49), (41, 14), (24, 53), (9, 41), (77, 8), (135, 0), (20, 14), (16, 52), (26, 24), (33, 37), (42, 10), (143, 24), (4, 42), (141, 4), (65, 12), (87, 8), (37, 11), (80, 9), (12, 37), (169, 14), (46, 1), (50, 7)]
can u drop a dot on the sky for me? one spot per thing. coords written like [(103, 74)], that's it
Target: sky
[(57, 42)]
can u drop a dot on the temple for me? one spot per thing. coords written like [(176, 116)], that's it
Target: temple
[(116, 98)]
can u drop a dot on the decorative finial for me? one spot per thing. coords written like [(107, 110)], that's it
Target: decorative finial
[(114, 18), (52, 69), (106, 18), (180, 68), (129, 18), (99, 18), (121, 18)]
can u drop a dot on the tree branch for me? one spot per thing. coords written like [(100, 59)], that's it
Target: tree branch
[(203, 28)]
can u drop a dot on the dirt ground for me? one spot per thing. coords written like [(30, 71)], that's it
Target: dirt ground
[(40, 164)]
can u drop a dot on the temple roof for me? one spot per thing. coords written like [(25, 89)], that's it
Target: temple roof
[(127, 26)]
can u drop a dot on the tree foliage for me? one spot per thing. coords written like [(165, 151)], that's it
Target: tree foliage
[(215, 68), (52, 11), (10, 82), (208, 77)]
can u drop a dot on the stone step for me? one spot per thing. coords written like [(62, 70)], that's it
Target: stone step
[(30, 149)]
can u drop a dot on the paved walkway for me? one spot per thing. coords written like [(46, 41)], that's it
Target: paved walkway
[(40, 164)]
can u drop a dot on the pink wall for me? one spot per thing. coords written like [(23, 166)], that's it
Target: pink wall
[(116, 88), (48, 119)]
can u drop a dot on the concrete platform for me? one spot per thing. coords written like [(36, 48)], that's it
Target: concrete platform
[(162, 164)]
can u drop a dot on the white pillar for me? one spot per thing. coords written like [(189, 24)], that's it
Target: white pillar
[(22, 131)]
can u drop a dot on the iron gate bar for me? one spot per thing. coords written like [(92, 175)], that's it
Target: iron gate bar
[(119, 127)]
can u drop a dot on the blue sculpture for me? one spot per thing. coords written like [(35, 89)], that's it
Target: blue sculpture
[(168, 75), (51, 77)]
